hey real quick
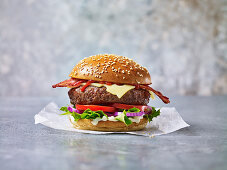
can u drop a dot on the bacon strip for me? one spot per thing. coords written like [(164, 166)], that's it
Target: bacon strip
[(78, 83), (72, 82), (66, 83), (86, 85), (159, 94)]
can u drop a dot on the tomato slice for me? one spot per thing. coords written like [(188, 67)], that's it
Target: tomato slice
[(96, 108), (127, 106)]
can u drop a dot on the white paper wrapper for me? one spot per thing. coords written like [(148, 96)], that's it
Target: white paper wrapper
[(168, 121)]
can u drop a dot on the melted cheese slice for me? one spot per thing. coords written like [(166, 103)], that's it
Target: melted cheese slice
[(152, 94), (115, 89), (118, 90)]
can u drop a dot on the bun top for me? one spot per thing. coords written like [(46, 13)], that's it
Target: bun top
[(111, 68)]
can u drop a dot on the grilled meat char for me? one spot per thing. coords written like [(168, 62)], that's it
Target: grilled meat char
[(99, 95)]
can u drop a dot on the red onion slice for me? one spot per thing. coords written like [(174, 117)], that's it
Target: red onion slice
[(130, 114), (71, 109)]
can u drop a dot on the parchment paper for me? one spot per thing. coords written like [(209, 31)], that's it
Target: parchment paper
[(168, 121)]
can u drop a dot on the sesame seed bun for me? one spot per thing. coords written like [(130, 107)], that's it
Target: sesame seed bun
[(111, 68), (109, 126)]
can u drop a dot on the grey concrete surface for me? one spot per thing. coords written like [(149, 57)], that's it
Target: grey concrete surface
[(203, 145)]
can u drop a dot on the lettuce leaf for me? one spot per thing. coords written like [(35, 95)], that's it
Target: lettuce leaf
[(123, 118), (87, 114), (154, 113), (76, 116), (65, 109), (133, 110)]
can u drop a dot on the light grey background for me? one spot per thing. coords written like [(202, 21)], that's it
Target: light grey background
[(182, 43)]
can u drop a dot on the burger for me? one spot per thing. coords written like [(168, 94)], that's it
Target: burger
[(110, 93)]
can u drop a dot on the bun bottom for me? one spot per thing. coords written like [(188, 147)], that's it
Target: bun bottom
[(109, 126)]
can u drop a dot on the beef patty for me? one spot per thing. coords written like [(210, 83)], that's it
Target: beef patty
[(99, 95)]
